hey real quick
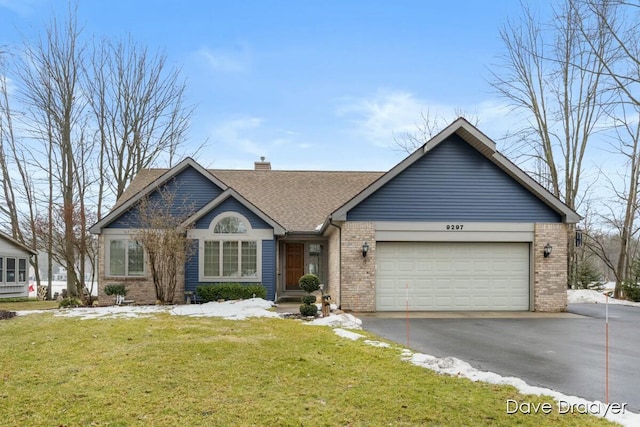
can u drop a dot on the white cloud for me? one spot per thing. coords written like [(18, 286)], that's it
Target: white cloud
[(239, 132), (377, 118), (226, 61)]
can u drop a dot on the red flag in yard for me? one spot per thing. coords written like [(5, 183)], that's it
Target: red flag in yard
[(31, 288)]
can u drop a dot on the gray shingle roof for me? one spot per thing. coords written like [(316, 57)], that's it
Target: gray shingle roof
[(297, 200)]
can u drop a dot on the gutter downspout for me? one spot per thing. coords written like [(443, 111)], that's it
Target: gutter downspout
[(339, 256)]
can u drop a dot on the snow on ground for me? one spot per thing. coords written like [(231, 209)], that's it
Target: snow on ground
[(456, 367), (233, 310), (343, 320), (581, 296), (257, 307)]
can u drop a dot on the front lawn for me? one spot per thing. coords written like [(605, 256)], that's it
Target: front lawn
[(169, 370), (27, 304)]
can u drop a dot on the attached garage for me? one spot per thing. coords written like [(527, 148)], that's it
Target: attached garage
[(452, 276)]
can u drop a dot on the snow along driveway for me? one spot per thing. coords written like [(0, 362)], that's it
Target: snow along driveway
[(238, 310)]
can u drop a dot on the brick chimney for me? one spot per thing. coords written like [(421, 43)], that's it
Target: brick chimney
[(262, 165)]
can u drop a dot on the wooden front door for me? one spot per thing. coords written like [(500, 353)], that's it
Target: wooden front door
[(294, 265)]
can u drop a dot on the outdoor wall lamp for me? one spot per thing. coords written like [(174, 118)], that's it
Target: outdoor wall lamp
[(547, 250), (365, 249)]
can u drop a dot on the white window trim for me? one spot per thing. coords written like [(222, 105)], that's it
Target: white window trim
[(17, 282), (252, 235), (122, 235)]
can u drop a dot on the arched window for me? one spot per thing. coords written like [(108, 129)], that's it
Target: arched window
[(230, 225), (232, 251)]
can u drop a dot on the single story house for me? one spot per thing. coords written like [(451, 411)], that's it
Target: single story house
[(14, 267), (454, 226)]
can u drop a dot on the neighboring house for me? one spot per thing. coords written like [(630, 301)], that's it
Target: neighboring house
[(454, 226), (14, 267)]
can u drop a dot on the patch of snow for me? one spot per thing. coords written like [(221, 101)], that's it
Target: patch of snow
[(589, 296), (377, 343), (110, 312), (348, 334), (232, 310), (457, 367), (344, 320)]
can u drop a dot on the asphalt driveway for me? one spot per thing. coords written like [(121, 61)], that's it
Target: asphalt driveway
[(566, 354)]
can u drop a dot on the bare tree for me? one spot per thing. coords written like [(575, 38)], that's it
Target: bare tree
[(621, 65), (163, 234), (51, 74), (138, 105), (14, 168), (428, 127), (553, 77)]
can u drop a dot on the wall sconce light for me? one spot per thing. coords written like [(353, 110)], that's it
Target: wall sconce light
[(365, 249), (547, 250)]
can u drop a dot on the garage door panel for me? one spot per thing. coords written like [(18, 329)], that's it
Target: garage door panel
[(452, 276)]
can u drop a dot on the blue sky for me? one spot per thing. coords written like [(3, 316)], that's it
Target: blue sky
[(307, 84)]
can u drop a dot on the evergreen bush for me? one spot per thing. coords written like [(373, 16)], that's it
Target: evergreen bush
[(309, 283), (309, 299), (230, 291), (115, 289), (631, 291), (308, 309)]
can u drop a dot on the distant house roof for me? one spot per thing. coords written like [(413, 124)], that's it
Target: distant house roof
[(298, 200), (17, 243)]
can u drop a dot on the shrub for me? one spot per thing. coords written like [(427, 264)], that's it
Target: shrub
[(70, 302), (309, 283), (230, 291), (308, 309), (4, 314), (631, 291), (308, 299), (117, 289)]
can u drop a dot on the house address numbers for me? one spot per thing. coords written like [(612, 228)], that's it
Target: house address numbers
[(455, 227)]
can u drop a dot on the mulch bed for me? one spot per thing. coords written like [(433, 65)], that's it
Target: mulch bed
[(4, 314)]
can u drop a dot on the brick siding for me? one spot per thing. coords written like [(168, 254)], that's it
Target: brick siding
[(550, 274), (139, 289), (358, 273)]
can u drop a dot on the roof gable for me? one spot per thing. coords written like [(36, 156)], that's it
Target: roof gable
[(145, 189), (461, 130), (17, 244), (232, 194)]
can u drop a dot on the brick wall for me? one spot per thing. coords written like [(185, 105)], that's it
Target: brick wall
[(139, 289), (333, 281), (550, 274), (358, 273)]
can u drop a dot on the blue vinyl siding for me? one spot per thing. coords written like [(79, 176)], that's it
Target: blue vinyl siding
[(192, 191), (453, 182), (268, 269), (232, 205)]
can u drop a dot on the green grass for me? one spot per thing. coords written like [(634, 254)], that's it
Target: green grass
[(169, 371), (27, 304)]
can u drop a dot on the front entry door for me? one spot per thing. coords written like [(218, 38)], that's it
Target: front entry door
[(295, 265)]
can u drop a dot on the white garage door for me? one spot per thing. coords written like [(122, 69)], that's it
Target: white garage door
[(452, 276)]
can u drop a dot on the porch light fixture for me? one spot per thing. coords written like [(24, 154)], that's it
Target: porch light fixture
[(365, 249), (547, 250)]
